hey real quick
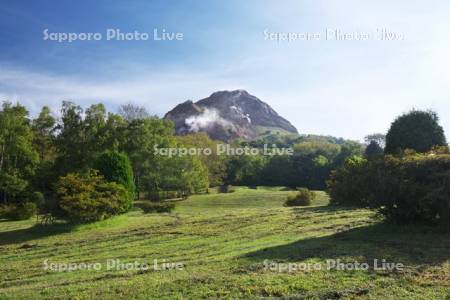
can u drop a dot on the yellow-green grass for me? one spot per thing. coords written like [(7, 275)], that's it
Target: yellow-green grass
[(222, 241)]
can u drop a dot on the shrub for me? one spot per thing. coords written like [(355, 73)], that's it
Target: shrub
[(22, 211), (158, 207), (408, 189), (88, 198), (27, 204), (349, 184), (420, 190), (303, 197), (116, 167)]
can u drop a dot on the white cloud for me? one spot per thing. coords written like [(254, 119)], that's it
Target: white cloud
[(157, 92), (346, 89)]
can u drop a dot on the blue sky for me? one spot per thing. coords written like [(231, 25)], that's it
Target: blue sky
[(346, 88)]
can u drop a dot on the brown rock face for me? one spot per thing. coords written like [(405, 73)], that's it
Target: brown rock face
[(227, 115)]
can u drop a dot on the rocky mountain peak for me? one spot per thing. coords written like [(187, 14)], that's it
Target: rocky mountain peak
[(226, 115)]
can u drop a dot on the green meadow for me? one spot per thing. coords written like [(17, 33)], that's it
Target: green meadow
[(223, 243)]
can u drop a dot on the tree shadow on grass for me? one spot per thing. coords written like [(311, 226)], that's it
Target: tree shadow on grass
[(412, 245), (322, 209), (35, 232)]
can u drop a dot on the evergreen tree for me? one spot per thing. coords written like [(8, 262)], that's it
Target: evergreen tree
[(116, 167), (373, 150), (417, 130)]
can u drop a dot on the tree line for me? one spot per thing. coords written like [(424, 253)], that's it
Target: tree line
[(103, 161), (34, 153), (41, 158)]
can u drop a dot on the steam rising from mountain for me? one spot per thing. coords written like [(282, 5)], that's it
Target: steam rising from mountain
[(207, 119), (227, 115)]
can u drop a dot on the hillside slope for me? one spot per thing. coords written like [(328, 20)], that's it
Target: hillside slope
[(223, 241)]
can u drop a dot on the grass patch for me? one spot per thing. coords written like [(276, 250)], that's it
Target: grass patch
[(223, 240)]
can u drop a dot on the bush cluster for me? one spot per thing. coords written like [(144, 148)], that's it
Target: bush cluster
[(83, 198), (303, 197), (158, 207), (405, 189), (28, 206), (23, 211), (349, 185)]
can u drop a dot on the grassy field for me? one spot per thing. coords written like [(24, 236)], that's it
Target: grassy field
[(222, 241)]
